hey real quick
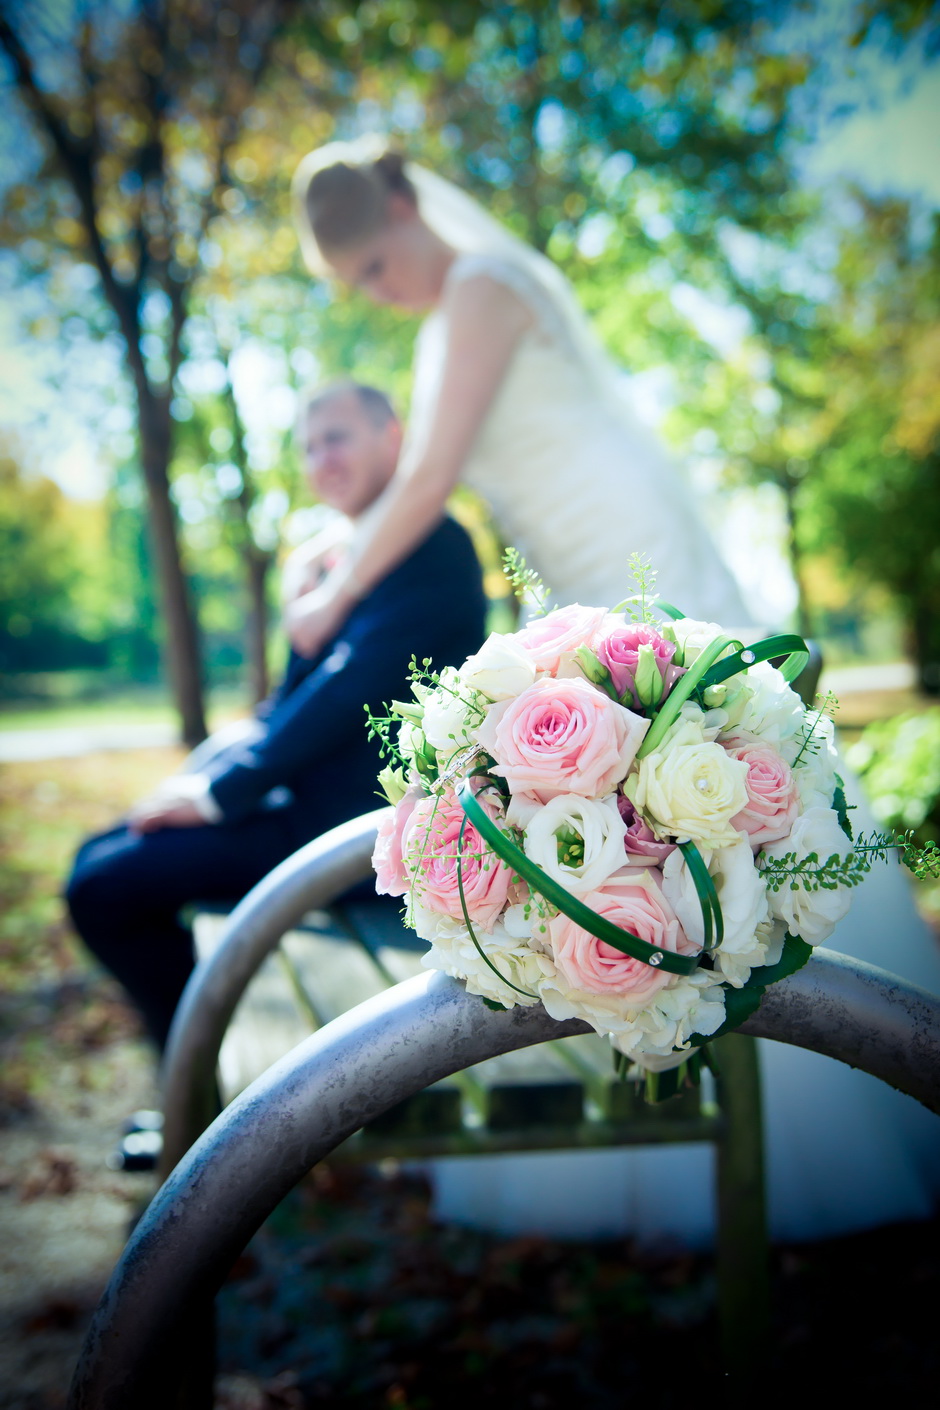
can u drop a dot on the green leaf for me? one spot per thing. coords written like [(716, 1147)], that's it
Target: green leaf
[(842, 808), (741, 1003)]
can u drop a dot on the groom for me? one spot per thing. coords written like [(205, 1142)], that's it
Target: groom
[(308, 765)]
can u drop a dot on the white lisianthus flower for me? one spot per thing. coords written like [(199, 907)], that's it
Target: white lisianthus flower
[(810, 914), (815, 771), (693, 636), (742, 896), (410, 743), (594, 827), (500, 670), (453, 951), (760, 702), (689, 788), (449, 710)]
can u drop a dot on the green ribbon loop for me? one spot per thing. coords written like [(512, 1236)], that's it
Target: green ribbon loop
[(792, 647), (712, 918), (569, 905), (685, 686)]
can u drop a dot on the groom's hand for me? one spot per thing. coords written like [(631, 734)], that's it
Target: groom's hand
[(152, 814), (315, 618)]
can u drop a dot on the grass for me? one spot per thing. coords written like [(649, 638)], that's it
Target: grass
[(123, 707)]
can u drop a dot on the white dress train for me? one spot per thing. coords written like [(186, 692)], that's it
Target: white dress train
[(577, 485)]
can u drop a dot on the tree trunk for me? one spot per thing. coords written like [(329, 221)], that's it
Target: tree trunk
[(803, 620), (257, 565), (925, 635), (181, 641)]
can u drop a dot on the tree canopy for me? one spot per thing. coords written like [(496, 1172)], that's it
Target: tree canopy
[(648, 147)]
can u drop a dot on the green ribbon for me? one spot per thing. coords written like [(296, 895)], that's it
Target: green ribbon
[(569, 905), (792, 647)]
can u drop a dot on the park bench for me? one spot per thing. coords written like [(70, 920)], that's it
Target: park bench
[(292, 963)]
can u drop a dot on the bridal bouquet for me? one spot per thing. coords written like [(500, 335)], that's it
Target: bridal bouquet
[(635, 822)]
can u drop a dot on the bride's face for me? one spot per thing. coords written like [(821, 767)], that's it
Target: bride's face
[(397, 265)]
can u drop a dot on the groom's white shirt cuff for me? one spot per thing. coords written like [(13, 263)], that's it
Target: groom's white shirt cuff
[(196, 789)]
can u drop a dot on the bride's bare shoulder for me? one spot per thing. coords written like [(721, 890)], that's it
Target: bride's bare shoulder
[(477, 294)]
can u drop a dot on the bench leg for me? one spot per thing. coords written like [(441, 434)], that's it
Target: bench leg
[(742, 1246)]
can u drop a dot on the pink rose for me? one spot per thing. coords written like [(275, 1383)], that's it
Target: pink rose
[(773, 800), (640, 841), (619, 652), (430, 847), (391, 878), (633, 901), (547, 639), (562, 736)]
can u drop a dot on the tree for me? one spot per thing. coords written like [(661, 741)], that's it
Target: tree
[(138, 112), (876, 490)]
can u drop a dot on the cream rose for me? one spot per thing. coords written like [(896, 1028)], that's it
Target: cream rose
[(810, 914), (578, 841), (500, 670), (689, 788)]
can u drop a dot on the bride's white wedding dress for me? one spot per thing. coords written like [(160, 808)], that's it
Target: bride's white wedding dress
[(576, 484), (573, 480)]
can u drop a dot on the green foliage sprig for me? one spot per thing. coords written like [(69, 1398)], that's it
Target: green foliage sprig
[(380, 727), (525, 582), (639, 605), (811, 742), (849, 869)]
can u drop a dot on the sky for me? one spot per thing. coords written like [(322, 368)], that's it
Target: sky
[(894, 148)]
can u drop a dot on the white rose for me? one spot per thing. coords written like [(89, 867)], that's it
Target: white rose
[(597, 825), (453, 951), (815, 771), (761, 702), (690, 788), (742, 896), (810, 914), (448, 711), (500, 669)]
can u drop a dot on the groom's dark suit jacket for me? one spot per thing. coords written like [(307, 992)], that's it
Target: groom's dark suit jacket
[(310, 768), (313, 741)]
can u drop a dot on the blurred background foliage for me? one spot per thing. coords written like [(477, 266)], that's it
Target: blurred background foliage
[(784, 335)]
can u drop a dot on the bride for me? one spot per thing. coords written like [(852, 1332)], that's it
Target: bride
[(514, 397)]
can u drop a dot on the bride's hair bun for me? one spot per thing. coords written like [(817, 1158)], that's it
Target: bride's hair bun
[(341, 196)]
